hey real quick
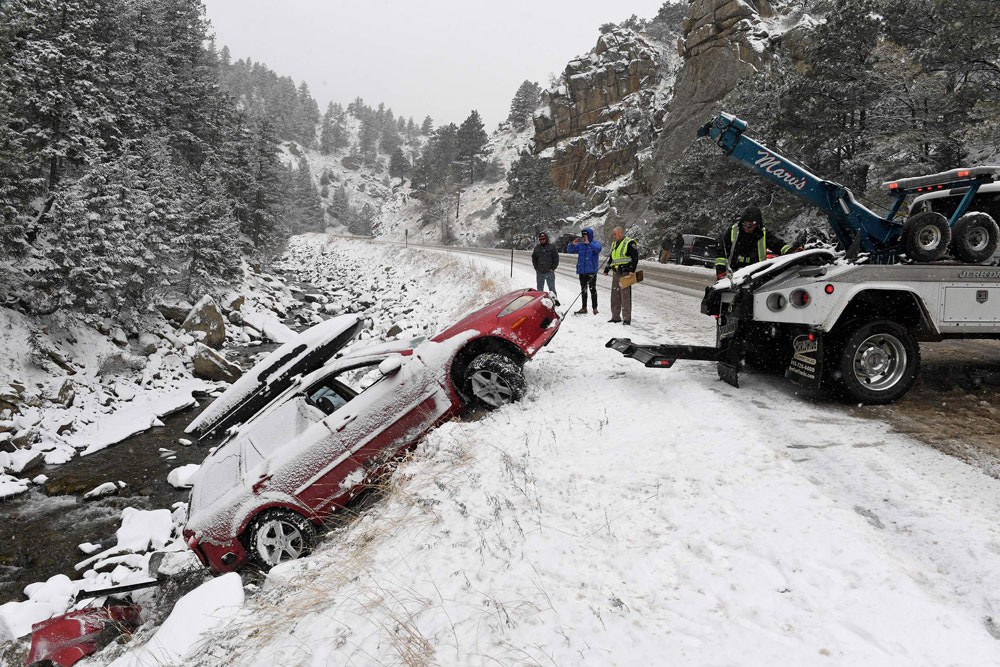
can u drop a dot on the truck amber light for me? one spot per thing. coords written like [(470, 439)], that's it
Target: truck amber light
[(519, 322), (828, 289), (799, 298)]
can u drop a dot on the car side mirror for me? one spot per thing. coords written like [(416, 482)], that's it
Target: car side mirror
[(390, 365)]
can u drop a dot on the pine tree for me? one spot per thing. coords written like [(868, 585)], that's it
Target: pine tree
[(523, 106), (471, 143), (399, 166), (533, 203), (427, 126)]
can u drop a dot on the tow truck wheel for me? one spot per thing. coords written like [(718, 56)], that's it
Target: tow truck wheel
[(277, 536), (878, 362), (926, 236), (975, 237)]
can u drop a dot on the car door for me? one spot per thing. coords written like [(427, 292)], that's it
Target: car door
[(372, 427)]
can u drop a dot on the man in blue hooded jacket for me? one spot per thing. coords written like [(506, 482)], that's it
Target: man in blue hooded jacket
[(588, 253)]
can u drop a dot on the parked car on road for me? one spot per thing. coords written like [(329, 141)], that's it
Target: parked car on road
[(312, 423), (698, 250)]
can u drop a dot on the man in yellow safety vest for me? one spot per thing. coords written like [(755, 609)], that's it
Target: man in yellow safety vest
[(624, 261), (747, 242)]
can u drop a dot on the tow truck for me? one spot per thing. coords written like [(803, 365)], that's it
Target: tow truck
[(851, 318)]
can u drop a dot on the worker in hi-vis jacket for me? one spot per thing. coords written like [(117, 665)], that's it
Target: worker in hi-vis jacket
[(747, 242)]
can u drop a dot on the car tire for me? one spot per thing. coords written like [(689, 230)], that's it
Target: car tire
[(926, 236), (877, 363), (494, 380), (975, 237), (277, 536), (686, 260)]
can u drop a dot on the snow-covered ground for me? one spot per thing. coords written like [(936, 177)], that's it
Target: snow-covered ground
[(624, 515)]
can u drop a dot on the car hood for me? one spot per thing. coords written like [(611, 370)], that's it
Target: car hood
[(469, 321), (303, 354)]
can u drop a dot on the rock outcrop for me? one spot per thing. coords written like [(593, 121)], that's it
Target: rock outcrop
[(605, 111), (720, 44)]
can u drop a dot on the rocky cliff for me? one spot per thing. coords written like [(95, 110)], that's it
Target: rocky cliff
[(608, 107)]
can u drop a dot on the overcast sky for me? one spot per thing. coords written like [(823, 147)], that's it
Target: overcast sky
[(441, 58)]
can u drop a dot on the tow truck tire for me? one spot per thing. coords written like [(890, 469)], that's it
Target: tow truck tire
[(877, 363), (926, 236), (975, 237)]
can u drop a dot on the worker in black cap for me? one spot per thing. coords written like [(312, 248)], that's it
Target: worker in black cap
[(545, 259), (747, 242)]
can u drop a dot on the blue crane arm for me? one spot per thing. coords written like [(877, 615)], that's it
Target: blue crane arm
[(847, 216)]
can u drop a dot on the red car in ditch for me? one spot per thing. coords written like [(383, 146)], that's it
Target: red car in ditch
[(312, 423)]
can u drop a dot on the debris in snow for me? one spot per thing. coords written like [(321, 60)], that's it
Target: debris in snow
[(88, 548)]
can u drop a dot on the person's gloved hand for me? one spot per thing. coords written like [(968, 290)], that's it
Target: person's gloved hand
[(606, 271)]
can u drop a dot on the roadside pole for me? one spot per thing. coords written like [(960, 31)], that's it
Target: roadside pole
[(406, 238), (511, 260)]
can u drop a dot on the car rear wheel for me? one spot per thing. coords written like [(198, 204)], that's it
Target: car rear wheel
[(494, 380), (277, 536), (878, 363)]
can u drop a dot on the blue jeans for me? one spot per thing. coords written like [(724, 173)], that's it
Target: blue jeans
[(549, 278)]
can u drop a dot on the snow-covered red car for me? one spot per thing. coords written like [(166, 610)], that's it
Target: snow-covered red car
[(306, 431)]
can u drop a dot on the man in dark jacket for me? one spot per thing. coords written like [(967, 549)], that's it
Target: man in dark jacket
[(588, 261), (747, 242), (545, 259), (624, 262)]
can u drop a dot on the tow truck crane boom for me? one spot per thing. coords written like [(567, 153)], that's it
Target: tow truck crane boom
[(923, 237)]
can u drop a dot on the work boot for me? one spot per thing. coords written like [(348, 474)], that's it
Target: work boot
[(582, 311), (627, 323), (595, 310), (614, 320)]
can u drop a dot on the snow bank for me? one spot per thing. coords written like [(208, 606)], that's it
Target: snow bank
[(201, 610), (132, 419)]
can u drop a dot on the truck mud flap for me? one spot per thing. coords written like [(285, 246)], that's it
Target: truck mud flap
[(805, 368), (729, 365)]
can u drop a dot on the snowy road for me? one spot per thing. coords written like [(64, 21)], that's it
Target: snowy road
[(623, 515)]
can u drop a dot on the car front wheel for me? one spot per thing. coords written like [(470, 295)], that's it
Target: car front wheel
[(277, 536), (494, 380)]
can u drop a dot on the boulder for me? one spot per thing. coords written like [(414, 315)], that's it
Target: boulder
[(67, 393), (175, 311), (205, 322), (210, 365), (147, 344), (118, 337)]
